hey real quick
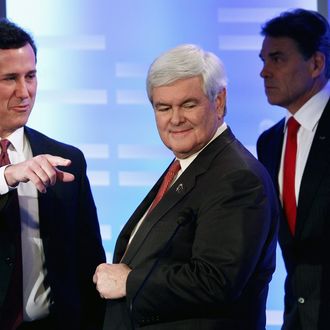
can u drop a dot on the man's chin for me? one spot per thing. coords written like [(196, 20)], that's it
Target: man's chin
[(182, 153), (272, 101), (20, 123)]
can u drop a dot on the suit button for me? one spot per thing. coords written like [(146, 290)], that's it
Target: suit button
[(301, 300), (9, 261)]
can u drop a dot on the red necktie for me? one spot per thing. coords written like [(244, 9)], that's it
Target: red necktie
[(289, 172), (4, 159), (12, 313), (166, 183), (168, 178)]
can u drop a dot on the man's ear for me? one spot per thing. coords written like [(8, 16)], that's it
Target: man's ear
[(318, 64), (220, 103)]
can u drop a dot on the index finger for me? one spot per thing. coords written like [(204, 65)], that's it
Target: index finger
[(57, 160)]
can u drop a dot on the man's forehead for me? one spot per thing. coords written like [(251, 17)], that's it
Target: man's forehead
[(272, 45)]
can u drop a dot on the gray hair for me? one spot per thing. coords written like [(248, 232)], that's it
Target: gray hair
[(187, 61)]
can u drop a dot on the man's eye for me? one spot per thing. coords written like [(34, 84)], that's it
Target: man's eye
[(276, 59), (163, 108), (189, 105), (31, 76)]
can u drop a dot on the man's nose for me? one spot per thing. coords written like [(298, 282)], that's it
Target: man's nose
[(22, 89), (265, 71), (177, 116)]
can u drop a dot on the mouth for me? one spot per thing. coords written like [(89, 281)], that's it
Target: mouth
[(21, 107), (270, 88), (180, 132)]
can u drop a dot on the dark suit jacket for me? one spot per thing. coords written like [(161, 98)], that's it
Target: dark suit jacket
[(215, 271), (306, 255), (72, 243), (3, 201)]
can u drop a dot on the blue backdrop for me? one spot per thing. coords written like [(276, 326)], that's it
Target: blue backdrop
[(92, 62)]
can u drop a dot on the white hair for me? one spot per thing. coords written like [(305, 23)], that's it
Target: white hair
[(186, 61)]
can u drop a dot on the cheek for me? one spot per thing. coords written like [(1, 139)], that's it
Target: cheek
[(3, 108), (197, 118), (161, 127), (207, 120), (297, 76), (32, 91), (295, 84), (5, 94), (161, 121)]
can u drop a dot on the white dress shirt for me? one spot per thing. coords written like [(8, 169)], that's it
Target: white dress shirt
[(308, 117), (35, 295)]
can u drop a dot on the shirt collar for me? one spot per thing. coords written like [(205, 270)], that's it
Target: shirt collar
[(17, 140), (310, 113)]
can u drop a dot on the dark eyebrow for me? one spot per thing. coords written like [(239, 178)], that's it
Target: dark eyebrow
[(272, 54), (276, 53), (14, 74), (9, 74), (32, 72)]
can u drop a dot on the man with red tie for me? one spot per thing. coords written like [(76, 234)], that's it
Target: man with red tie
[(199, 251), (296, 151), (50, 240)]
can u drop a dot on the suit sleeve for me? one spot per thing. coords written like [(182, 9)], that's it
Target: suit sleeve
[(232, 226)]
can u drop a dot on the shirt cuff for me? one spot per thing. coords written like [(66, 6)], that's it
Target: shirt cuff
[(3, 183)]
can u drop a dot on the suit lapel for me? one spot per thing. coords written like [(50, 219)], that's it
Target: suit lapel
[(125, 234), (270, 153), (178, 190), (316, 167), (273, 160), (184, 184)]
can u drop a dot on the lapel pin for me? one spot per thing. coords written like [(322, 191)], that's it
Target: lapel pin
[(179, 188)]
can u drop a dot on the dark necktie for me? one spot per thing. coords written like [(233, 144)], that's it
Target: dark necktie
[(12, 313), (289, 173), (168, 178)]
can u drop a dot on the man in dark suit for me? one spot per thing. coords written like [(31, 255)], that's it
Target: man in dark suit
[(296, 55), (203, 256), (59, 243)]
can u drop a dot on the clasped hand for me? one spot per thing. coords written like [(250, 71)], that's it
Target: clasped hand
[(110, 280)]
